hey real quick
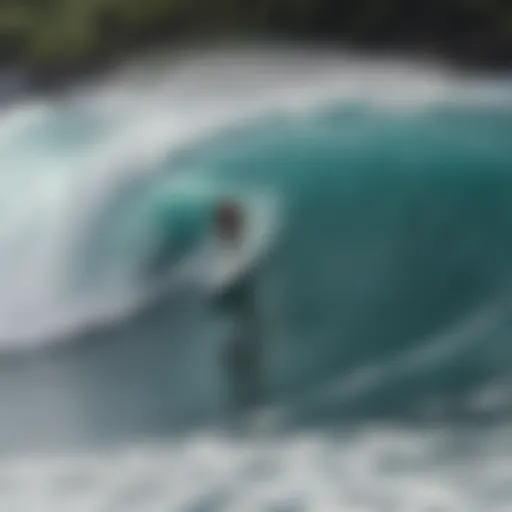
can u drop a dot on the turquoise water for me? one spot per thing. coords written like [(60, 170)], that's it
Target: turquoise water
[(398, 233), (385, 301)]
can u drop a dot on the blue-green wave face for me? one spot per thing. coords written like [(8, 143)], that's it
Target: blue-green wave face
[(387, 287), (395, 252), (181, 219), (398, 238)]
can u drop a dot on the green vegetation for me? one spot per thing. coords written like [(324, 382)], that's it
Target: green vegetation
[(53, 36)]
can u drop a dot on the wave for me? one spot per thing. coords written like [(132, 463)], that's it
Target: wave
[(392, 267), (65, 161)]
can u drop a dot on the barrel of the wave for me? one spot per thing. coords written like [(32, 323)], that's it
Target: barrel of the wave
[(219, 241), (181, 224), (232, 294)]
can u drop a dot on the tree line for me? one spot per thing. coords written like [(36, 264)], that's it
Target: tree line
[(62, 35)]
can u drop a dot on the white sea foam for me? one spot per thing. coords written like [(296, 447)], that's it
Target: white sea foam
[(372, 469)]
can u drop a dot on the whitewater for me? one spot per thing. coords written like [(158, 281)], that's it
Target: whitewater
[(385, 300)]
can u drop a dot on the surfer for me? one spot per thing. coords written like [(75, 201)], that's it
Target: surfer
[(242, 356)]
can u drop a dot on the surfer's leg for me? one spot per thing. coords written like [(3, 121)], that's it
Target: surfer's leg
[(243, 366)]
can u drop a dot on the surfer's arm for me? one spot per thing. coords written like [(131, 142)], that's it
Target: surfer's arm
[(237, 297)]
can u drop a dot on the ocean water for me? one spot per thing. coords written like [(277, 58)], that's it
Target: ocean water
[(384, 298)]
